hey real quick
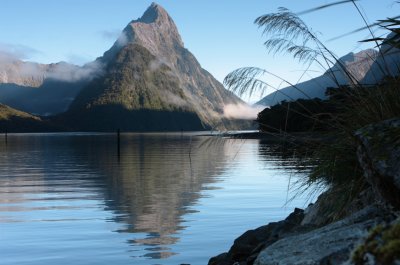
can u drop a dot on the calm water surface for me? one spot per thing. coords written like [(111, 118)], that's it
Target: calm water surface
[(166, 199)]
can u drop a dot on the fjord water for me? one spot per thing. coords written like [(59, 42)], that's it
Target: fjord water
[(165, 199)]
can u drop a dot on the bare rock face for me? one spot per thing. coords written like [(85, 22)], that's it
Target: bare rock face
[(379, 156), (156, 31), (22, 73), (360, 64)]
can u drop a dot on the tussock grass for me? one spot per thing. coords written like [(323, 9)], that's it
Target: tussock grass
[(355, 105)]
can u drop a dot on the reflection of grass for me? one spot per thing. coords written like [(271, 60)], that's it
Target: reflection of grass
[(355, 106)]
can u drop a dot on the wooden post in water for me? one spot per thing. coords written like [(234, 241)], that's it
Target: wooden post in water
[(5, 136), (118, 143)]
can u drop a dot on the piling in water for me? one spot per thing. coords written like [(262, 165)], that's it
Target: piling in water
[(118, 143)]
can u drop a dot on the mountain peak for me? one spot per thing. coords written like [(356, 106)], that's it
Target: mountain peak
[(153, 13), (155, 30)]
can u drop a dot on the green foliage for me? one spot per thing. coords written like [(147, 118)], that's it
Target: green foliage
[(7, 113), (334, 160), (382, 243), (355, 108), (13, 120), (136, 80), (109, 118)]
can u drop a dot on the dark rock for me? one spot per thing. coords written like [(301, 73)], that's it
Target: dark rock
[(246, 247), (221, 259), (379, 156)]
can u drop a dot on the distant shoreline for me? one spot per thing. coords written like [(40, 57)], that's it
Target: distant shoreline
[(278, 137)]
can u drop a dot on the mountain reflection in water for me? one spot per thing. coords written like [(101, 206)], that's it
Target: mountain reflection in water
[(65, 198)]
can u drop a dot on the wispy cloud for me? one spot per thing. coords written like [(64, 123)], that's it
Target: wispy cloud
[(73, 73), (173, 99), (242, 111), (12, 52), (13, 66), (155, 64), (122, 39), (110, 34), (78, 59), (119, 36)]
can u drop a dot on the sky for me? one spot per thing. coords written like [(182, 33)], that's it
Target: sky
[(220, 33)]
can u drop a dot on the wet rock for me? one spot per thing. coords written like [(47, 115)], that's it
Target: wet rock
[(246, 247), (379, 156), (330, 244)]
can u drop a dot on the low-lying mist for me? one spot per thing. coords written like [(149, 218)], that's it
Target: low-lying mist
[(242, 111)]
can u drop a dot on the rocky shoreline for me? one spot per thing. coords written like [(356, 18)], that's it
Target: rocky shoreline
[(368, 231)]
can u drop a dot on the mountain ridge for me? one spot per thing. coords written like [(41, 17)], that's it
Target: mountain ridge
[(42, 89), (148, 68), (357, 64)]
